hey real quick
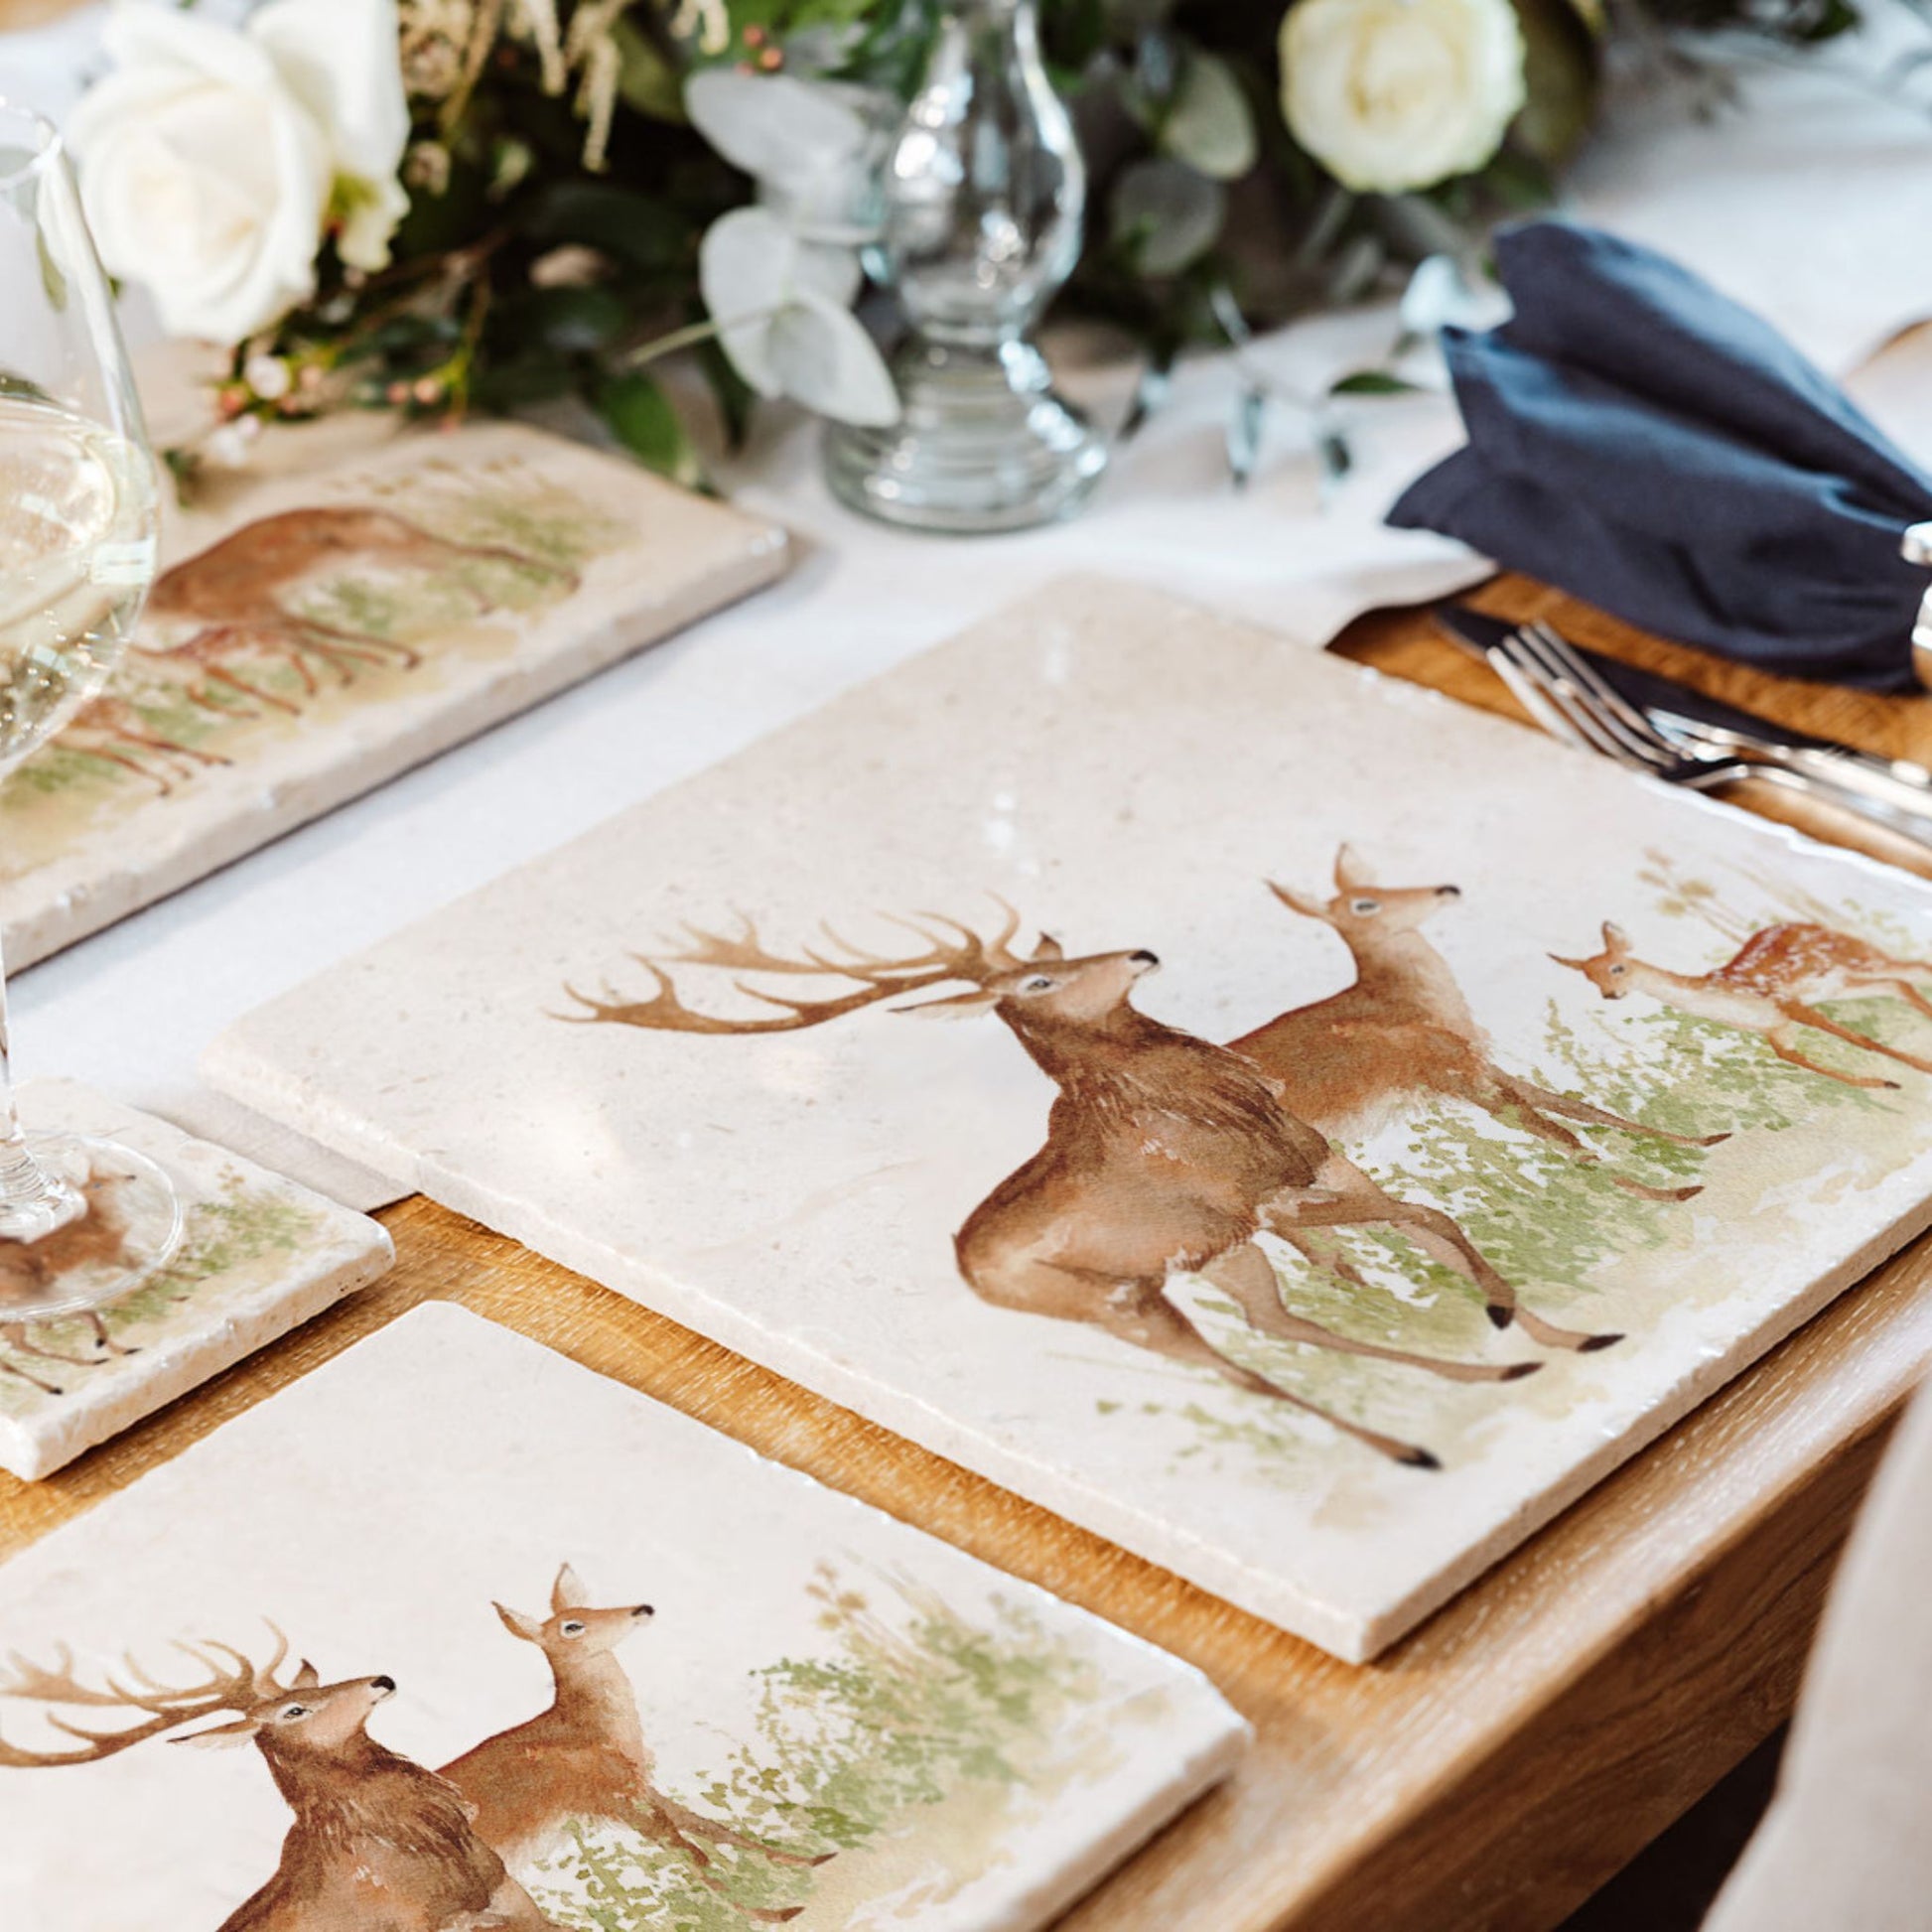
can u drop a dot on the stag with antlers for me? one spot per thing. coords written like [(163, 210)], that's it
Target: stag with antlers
[(1403, 1033), (378, 1843), (583, 1756), (1165, 1153)]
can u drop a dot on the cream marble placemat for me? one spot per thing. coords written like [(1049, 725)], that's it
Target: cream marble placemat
[(1083, 1257), (315, 633), (258, 1256), (672, 1684)]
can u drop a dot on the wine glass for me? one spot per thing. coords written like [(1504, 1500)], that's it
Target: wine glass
[(83, 1220)]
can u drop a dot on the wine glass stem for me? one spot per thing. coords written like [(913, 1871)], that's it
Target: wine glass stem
[(33, 1201)]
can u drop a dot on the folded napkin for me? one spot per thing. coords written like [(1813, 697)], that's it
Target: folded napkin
[(1646, 444)]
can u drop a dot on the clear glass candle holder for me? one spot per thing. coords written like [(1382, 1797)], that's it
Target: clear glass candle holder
[(983, 200)]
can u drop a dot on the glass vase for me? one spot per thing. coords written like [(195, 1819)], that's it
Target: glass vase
[(983, 198)]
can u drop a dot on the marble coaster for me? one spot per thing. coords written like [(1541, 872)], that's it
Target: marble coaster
[(258, 1256), (312, 634), (674, 1684), (1320, 1265)]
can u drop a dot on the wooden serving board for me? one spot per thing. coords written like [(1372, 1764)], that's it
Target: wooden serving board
[(1489, 1771)]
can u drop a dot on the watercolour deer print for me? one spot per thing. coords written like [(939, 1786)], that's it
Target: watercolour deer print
[(585, 1756), (236, 590), (95, 1237), (1165, 1153), (378, 1843), (1404, 1031), (110, 728), (1770, 987)]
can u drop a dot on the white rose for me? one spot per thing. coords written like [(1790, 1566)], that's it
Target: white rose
[(343, 62), (211, 159), (1397, 95)]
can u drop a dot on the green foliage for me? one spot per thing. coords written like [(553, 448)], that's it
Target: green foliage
[(233, 1230), (589, 152), (910, 1707), (1371, 382), (639, 415)]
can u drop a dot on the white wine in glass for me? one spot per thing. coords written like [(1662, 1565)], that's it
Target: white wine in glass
[(84, 1220)]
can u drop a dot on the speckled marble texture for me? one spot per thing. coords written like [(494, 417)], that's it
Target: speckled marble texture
[(258, 1256), (460, 1514), (1129, 774), (315, 631)]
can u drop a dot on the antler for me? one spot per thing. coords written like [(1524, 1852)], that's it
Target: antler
[(168, 1705), (880, 977)]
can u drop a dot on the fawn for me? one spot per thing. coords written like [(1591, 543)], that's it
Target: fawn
[(378, 1843), (1165, 1153), (585, 1755), (1404, 1031), (235, 591), (1768, 987), (94, 1237)]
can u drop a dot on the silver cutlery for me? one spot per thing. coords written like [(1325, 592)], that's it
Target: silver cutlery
[(1702, 725), (1571, 697)]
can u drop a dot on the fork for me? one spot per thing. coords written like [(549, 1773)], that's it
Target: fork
[(1571, 699)]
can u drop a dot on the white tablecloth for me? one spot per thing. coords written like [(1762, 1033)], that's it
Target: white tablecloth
[(1815, 202)]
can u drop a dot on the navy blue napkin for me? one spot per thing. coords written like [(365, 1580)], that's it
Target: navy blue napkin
[(1646, 444)]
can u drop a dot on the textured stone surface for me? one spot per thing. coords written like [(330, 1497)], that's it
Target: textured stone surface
[(1129, 774), (259, 1255), (971, 1751), (315, 631)]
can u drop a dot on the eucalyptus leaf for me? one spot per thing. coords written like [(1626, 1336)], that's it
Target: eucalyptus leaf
[(1336, 459), (772, 125), (1166, 215), (1442, 293), (1150, 394), (823, 359), (1244, 432), (751, 268), (1210, 125)]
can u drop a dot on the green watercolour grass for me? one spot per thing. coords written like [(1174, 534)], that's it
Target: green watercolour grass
[(1556, 1227), (547, 523), (907, 1708)]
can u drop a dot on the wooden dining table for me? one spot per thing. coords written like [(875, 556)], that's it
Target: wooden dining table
[(1499, 1764)]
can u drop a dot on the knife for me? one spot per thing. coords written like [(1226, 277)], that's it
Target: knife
[(1897, 786)]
